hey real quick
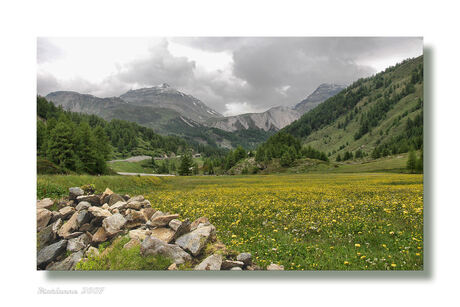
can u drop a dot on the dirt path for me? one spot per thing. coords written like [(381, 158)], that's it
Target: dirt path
[(133, 159)]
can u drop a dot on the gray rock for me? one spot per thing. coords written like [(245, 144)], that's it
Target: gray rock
[(184, 228), (211, 263), (229, 264), (164, 220), (92, 199), (45, 203), (83, 205), (99, 212), (66, 212), (75, 192), (138, 198), (51, 252), (83, 217), (57, 225), (113, 224), (157, 214), (114, 198), (55, 216), (68, 264), (43, 217), (236, 268), (174, 224), (69, 227), (73, 235), (118, 205), (136, 205), (246, 258), (154, 246), (45, 237), (163, 233), (198, 221), (79, 243), (148, 212), (195, 241), (135, 219)]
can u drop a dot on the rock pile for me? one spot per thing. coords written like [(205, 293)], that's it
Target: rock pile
[(83, 221)]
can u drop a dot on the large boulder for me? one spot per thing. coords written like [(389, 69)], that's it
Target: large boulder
[(100, 236), (198, 221), (136, 205), (114, 224), (164, 234), (118, 205), (181, 229), (75, 192), (139, 234), (66, 212), (164, 220), (195, 241), (246, 258), (43, 217), (135, 219), (79, 243), (45, 237), (153, 246), (98, 212), (211, 263), (83, 205), (138, 198), (50, 253), (114, 198), (92, 199), (45, 203), (69, 227), (68, 264), (148, 212), (83, 217), (105, 196)]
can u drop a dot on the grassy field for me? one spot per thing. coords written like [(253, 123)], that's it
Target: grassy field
[(365, 221)]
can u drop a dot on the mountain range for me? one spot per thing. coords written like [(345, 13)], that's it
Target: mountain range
[(172, 112)]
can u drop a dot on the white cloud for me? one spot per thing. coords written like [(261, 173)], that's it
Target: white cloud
[(236, 108)]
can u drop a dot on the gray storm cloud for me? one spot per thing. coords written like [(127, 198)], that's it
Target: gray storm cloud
[(265, 72)]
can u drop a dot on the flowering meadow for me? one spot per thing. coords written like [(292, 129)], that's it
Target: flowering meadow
[(301, 221), (309, 221)]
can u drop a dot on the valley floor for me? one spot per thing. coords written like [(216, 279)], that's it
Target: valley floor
[(359, 221)]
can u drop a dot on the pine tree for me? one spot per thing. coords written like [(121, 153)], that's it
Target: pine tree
[(185, 165), (60, 149), (411, 161)]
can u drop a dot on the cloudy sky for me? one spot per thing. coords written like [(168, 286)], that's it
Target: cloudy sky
[(230, 74)]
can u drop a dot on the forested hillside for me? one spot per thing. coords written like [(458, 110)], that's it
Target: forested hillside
[(74, 142), (376, 116)]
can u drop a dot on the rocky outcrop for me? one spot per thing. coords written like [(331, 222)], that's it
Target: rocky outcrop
[(71, 234)]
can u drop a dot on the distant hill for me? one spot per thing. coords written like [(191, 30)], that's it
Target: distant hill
[(379, 115), (164, 109)]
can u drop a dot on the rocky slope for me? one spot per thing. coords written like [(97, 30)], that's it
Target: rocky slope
[(323, 92), (275, 118), (164, 96), (69, 232), (270, 120)]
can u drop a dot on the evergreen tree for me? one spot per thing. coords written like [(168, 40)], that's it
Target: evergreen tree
[(411, 161), (419, 164), (185, 165), (60, 149)]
